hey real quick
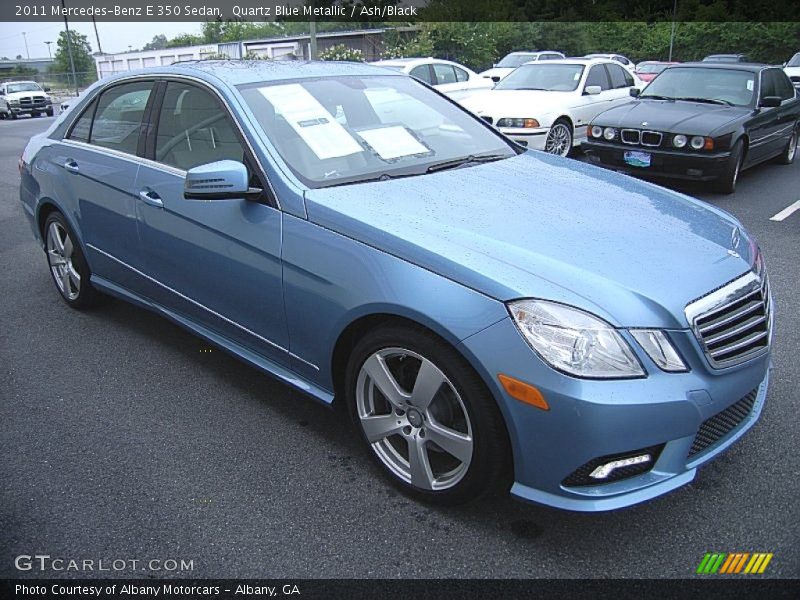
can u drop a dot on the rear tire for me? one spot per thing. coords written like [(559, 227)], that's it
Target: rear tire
[(726, 184), (787, 157), (67, 265), (447, 446), (50, 113)]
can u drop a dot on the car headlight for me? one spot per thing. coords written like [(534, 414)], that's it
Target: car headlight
[(609, 133), (13, 101), (659, 349), (573, 341), (698, 142), (596, 131), (518, 123), (679, 141)]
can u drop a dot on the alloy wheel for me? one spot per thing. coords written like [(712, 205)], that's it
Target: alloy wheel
[(559, 140), (414, 419), (60, 249), (792, 148)]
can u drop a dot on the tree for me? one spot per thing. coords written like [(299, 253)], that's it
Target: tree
[(81, 55), (185, 39), (159, 42)]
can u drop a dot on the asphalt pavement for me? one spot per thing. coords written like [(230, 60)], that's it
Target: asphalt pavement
[(123, 437)]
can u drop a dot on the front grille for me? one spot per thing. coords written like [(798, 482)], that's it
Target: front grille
[(29, 101), (489, 120), (737, 330), (581, 475), (651, 138), (630, 136), (721, 424)]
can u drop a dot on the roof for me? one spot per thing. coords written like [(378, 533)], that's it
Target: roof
[(410, 61), (740, 66), (238, 72), (573, 61)]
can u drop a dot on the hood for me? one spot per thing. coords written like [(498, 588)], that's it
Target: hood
[(792, 71), (542, 226), (691, 118), (18, 95), (516, 103), (496, 72)]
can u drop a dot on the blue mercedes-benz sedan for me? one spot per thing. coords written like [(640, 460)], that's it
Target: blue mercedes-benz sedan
[(491, 317)]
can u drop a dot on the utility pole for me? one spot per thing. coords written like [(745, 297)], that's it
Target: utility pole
[(27, 52), (312, 34), (97, 36), (69, 49), (672, 34), (50, 54)]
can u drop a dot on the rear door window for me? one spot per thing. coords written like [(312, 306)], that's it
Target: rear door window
[(119, 115), (598, 76), (423, 73)]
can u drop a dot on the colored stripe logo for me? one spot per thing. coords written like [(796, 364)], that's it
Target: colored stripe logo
[(745, 563)]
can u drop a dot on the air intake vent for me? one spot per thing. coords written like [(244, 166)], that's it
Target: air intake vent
[(722, 424)]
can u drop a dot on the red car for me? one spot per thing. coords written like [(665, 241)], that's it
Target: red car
[(649, 69)]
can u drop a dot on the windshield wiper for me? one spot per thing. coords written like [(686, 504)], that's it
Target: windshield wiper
[(656, 97), (708, 101), (463, 161)]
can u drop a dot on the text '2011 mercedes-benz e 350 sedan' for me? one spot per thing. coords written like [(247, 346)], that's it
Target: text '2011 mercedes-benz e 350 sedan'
[(490, 317)]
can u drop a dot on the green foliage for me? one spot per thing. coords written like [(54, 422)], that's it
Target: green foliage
[(185, 39), (159, 42), (81, 55), (341, 52)]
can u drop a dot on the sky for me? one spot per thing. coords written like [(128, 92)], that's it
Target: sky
[(114, 37)]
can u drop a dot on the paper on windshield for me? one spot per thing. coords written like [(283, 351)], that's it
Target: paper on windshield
[(393, 142), (316, 126)]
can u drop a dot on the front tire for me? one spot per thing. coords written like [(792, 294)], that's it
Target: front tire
[(787, 157), (50, 113), (726, 184), (559, 139), (68, 266), (426, 417)]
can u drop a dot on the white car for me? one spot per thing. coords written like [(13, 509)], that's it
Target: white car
[(450, 78), (548, 105), (515, 59), (625, 62), (26, 98), (792, 69)]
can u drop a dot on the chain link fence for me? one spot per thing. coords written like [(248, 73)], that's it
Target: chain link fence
[(61, 85)]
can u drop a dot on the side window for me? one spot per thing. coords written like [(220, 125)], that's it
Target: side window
[(444, 74), (461, 74), (83, 126), (119, 114), (768, 84), (193, 129), (617, 74), (422, 72), (784, 86), (597, 76)]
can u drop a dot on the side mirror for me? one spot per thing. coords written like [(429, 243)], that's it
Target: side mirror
[(770, 102), (2, 93), (495, 78), (47, 89), (634, 92), (221, 180), (592, 90)]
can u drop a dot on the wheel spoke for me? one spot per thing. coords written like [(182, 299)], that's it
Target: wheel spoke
[(429, 380), (65, 282), (376, 368), (67, 246), (54, 235), (74, 276), (421, 473), (379, 427), (55, 258), (453, 442)]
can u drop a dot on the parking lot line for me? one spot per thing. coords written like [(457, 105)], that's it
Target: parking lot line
[(786, 212)]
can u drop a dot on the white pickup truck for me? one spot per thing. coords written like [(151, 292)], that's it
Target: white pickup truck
[(25, 98)]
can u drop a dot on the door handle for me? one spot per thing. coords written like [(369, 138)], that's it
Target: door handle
[(151, 198), (71, 166)]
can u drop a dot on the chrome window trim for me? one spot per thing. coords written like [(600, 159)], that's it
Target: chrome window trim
[(199, 305), (125, 156), (724, 296), (156, 77)]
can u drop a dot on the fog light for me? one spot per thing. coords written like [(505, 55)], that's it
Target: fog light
[(603, 471)]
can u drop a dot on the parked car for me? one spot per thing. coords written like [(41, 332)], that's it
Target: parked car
[(450, 78), (701, 121), (649, 69), (487, 315), (515, 59), (547, 106), (625, 62), (727, 58), (5, 111), (792, 69), (26, 98)]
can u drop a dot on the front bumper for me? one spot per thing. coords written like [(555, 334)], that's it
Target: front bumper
[(693, 166), (594, 418), (533, 139), (29, 110)]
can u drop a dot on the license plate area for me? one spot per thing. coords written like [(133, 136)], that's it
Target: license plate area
[(635, 158)]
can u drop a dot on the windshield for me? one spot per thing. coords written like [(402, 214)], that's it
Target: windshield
[(24, 86), (728, 86), (332, 131), (795, 61), (550, 77), (512, 61), (651, 67)]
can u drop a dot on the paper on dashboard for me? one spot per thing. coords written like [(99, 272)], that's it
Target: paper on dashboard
[(393, 142)]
